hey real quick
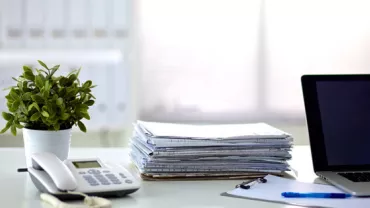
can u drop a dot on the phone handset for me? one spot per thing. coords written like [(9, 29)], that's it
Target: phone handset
[(56, 169)]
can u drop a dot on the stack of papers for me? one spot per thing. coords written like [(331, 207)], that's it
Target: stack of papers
[(165, 150)]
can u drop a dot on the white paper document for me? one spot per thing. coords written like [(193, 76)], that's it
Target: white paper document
[(217, 131), (272, 189), (241, 149)]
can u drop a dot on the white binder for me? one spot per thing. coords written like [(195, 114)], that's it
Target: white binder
[(35, 28)]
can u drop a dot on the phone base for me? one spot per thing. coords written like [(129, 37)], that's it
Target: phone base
[(66, 196)]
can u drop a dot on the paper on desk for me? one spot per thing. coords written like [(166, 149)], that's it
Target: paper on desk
[(218, 131), (272, 189)]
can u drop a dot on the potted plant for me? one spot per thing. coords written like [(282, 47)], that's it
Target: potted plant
[(46, 107)]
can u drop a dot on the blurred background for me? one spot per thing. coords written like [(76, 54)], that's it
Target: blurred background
[(189, 61)]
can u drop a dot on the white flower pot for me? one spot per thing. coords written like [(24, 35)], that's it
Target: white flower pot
[(56, 142)]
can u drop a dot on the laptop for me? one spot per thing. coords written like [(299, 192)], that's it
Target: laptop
[(338, 120)]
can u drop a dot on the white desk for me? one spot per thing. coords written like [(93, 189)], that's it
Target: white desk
[(17, 190)]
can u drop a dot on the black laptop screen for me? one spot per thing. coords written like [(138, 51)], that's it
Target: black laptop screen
[(345, 116)]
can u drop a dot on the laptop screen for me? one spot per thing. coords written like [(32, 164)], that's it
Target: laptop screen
[(345, 115)]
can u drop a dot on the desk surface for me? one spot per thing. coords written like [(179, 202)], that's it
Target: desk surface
[(17, 189)]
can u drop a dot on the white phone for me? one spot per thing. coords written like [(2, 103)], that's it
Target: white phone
[(89, 176)]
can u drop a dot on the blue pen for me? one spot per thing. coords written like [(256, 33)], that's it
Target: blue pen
[(315, 195)]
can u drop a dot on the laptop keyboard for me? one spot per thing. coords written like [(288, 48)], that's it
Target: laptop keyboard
[(357, 176)]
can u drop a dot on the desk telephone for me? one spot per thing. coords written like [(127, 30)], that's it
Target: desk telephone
[(88, 176)]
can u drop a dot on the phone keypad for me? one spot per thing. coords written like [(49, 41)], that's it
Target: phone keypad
[(91, 180), (102, 179), (113, 178), (95, 178)]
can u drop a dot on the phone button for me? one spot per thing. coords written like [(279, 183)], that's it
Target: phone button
[(105, 183), (122, 175), (111, 176), (81, 172), (128, 181), (102, 179), (93, 171)]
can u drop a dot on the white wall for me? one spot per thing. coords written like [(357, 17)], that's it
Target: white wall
[(232, 60)]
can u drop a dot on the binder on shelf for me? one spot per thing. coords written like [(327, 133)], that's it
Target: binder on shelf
[(13, 25), (78, 23), (120, 94), (98, 29), (98, 73), (35, 16), (56, 24)]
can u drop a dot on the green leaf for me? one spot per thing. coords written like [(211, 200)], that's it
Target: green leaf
[(45, 93), (7, 126), (16, 104), (23, 118), (18, 125), (78, 71), (9, 98), (29, 75), (64, 116), (53, 70), (13, 130), (27, 69), (63, 81), (59, 101), (83, 107), (43, 64), (20, 86), (71, 92), (72, 78), (74, 102), (62, 92), (81, 126), (47, 86), (9, 104), (39, 82), (7, 116), (37, 98), (56, 126), (90, 102), (82, 95), (35, 116), (87, 84), (45, 114), (34, 105), (52, 108), (86, 115), (14, 94), (39, 71), (7, 88), (26, 96), (23, 108)]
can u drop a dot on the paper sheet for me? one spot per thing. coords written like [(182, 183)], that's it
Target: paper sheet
[(224, 131), (272, 189)]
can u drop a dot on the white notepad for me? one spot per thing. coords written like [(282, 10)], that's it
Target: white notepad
[(272, 189)]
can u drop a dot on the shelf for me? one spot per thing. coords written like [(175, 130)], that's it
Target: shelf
[(86, 56)]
